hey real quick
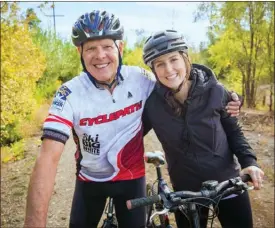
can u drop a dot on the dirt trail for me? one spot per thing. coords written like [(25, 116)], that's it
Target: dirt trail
[(15, 177)]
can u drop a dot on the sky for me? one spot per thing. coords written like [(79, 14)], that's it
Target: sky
[(147, 16)]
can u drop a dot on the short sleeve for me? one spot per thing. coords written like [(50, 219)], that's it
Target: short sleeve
[(59, 122), (149, 80)]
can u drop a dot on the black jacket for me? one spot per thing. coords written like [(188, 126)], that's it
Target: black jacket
[(200, 145)]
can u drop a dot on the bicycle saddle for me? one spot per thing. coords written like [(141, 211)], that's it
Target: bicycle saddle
[(156, 157)]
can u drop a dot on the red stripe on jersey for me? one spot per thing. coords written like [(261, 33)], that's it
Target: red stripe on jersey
[(54, 118), (130, 159), (62, 119), (82, 178)]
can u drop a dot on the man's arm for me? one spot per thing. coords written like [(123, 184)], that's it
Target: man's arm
[(42, 183)]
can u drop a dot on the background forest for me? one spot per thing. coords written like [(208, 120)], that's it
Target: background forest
[(34, 62)]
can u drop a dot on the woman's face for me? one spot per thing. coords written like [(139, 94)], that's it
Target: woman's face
[(170, 69)]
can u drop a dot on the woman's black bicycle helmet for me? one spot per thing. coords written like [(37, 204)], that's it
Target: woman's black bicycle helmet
[(96, 25), (162, 43)]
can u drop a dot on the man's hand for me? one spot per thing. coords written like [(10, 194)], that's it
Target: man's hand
[(233, 107)]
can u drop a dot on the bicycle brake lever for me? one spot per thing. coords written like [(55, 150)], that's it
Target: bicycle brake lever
[(164, 211)]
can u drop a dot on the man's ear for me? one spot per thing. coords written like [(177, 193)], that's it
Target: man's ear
[(121, 47), (79, 49)]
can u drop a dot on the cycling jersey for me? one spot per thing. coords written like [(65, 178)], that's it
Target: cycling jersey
[(107, 128)]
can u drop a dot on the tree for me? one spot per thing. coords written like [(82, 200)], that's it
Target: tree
[(22, 65), (240, 42), (62, 62), (134, 57), (32, 19), (269, 41)]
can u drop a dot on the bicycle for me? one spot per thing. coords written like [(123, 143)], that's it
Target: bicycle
[(163, 201), (110, 221)]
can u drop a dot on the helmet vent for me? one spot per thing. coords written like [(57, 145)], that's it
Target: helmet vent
[(159, 35), (148, 39), (75, 33), (170, 30), (92, 17), (162, 46), (116, 25), (149, 54), (178, 43)]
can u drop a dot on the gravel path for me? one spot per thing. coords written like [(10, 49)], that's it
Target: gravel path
[(15, 178)]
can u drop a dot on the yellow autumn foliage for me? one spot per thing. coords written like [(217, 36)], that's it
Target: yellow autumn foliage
[(22, 64), (134, 58)]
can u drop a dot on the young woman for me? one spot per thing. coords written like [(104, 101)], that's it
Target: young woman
[(199, 138)]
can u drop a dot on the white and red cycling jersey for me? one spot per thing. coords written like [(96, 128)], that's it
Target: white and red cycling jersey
[(107, 128)]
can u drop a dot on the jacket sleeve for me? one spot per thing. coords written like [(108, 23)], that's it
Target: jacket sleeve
[(236, 139), (146, 121)]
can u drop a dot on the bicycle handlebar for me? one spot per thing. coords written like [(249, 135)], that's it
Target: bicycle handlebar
[(177, 197), (141, 202), (213, 192)]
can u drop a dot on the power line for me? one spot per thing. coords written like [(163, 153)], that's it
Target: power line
[(54, 15)]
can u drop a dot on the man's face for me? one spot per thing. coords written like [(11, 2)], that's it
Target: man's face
[(101, 58)]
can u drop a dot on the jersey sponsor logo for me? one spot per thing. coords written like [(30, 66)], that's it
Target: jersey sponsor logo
[(91, 144), (112, 116), (58, 103), (63, 92), (60, 97)]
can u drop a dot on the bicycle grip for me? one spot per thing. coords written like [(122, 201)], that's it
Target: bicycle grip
[(141, 202), (246, 178)]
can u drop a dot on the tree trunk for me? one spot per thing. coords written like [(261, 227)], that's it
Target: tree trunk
[(271, 97), (249, 66)]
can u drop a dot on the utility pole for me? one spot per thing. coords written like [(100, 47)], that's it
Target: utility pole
[(54, 15)]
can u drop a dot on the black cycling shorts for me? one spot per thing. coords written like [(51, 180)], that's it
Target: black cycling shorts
[(90, 198)]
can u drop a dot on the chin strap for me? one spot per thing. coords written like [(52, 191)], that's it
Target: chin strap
[(97, 83)]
